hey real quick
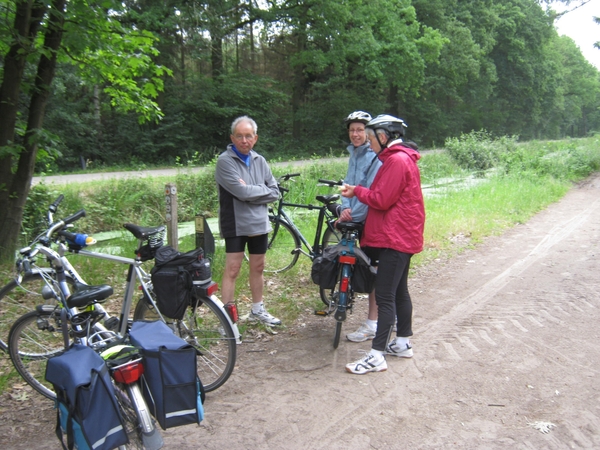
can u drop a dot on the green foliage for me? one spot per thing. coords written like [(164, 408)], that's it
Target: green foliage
[(561, 160), (479, 150), (446, 67), (36, 208)]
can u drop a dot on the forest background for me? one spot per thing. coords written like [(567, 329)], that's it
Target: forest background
[(142, 83)]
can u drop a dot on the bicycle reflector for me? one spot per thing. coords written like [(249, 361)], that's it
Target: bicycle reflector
[(347, 259), (206, 289), (344, 284), (232, 312), (129, 372)]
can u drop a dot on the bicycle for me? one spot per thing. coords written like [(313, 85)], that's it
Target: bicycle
[(33, 337), (286, 241), (341, 296)]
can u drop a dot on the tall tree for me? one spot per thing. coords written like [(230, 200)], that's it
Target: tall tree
[(42, 32)]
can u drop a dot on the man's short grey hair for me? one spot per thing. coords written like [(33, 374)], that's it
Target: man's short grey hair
[(237, 121)]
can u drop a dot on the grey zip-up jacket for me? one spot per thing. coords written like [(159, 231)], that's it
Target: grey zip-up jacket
[(243, 209)]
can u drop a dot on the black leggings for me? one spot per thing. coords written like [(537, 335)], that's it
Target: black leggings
[(392, 297)]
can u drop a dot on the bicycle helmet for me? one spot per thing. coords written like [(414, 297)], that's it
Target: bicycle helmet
[(357, 116), (393, 127)]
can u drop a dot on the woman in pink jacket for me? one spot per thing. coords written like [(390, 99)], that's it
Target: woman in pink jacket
[(393, 232)]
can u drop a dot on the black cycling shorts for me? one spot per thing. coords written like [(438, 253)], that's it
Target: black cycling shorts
[(257, 245)]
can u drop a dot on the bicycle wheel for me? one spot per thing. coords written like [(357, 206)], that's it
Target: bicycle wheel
[(330, 237), (282, 243), (18, 299), (35, 338), (338, 333), (208, 330)]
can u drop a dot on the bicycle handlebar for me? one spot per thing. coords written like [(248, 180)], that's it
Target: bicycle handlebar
[(53, 207), (331, 183), (288, 176), (78, 215)]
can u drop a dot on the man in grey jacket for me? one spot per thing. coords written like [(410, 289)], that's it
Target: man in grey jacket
[(246, 187)]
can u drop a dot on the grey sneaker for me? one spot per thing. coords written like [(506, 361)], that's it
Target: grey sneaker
[(398, 350), (364, 333), (368, 363), (264, 317)]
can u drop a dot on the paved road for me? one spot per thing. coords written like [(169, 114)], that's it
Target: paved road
[(84, 177)]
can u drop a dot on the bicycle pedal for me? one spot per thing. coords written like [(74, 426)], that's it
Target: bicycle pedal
[(321, 312)]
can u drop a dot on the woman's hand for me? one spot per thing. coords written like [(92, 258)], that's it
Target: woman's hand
[(345, 216), (347, 190)]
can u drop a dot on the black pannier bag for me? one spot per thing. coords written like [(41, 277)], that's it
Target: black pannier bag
[(173, 276), (171, 387), (364, 274), (325, 268), (87, 410)]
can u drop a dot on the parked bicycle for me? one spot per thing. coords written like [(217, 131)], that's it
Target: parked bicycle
[(286, 241), (35, 336), (341, 297)]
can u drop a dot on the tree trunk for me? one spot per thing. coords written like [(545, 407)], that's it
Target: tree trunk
[(216, 53), (300, 82), (16, 188)]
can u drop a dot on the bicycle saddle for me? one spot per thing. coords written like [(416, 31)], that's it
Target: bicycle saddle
[(143, 232), (350, 226), (327, 199), (86, 295)]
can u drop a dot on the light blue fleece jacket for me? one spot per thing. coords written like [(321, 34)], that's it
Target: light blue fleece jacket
[(362, 167)]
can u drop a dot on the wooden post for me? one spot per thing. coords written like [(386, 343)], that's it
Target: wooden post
[(171, 215)]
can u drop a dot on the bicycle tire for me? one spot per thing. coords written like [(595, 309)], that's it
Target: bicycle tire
[(31, 346), (280, 251), (207, 329), (18, 299), (338, 333), (330, 237)]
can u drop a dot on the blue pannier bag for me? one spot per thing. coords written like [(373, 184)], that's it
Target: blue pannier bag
[(87, 409), (172, 388)]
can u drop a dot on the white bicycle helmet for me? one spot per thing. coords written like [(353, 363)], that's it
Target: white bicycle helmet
[(393, 127), (357, 116)]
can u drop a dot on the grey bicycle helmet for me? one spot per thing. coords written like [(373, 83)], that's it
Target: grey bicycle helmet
[(357, 116)]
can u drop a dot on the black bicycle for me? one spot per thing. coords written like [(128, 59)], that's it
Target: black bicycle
[(286, 241)]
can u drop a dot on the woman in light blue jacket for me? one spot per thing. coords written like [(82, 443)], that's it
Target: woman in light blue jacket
[(362, 167)]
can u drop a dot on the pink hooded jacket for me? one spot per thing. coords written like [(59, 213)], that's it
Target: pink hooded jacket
[(396, 217)]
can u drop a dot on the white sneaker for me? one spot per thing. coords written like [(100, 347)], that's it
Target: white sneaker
[(398, 350), (368, 363), (264, 317), (364, 333)]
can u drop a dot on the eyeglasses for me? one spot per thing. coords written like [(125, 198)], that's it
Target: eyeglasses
[(241, 137), (356, 130)]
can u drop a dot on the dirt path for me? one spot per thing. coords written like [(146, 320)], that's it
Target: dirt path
[(506, 347)]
